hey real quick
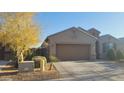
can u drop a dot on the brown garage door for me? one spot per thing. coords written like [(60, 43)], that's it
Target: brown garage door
[(72, 51)]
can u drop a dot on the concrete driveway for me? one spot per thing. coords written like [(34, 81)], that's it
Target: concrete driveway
[(90, 71)]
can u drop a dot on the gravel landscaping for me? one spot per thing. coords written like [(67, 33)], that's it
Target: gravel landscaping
[(37, 75)]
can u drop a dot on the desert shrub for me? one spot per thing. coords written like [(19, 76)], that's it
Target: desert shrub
[(111, 54), (37, 60), (119, 55), (53, 59)]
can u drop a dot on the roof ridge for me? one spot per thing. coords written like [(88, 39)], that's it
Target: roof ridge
[(109, 35), (87, 33), (94, 29), (61, 31), (76, 29)]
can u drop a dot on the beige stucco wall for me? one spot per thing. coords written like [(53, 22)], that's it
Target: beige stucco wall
[(71, 36), (121, 45)]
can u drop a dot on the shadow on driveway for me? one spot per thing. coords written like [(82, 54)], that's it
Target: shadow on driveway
[(92, 71)]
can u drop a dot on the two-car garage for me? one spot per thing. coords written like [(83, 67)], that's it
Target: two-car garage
[(73, 51), (72, 44)]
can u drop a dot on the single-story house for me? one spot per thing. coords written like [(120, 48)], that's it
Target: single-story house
[(76, 43)]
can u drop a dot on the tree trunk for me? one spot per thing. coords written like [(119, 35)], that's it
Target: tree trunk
[(21, 57)]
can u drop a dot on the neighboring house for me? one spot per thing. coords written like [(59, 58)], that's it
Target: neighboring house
[(80, 44)]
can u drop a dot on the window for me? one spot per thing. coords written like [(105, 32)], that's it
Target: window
[(110, 45), (107, 46)]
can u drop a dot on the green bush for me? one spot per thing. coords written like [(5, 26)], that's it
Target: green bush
[(111, 54), (29, 55), (53, 59), (119, 55), (37, 60)]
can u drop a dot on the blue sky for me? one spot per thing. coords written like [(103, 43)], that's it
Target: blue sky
[(107, 23)]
